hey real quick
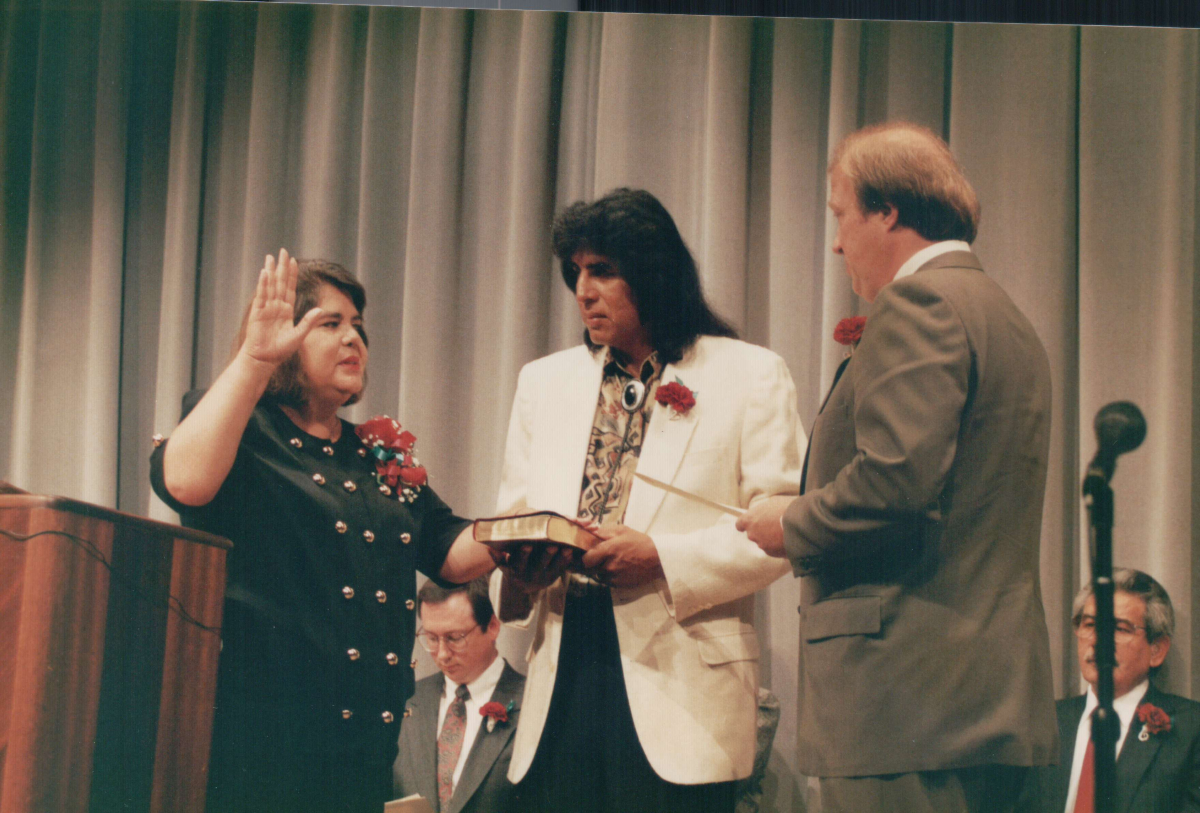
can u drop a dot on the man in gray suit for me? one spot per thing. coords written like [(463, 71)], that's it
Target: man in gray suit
[(925, 658), (456, 735)]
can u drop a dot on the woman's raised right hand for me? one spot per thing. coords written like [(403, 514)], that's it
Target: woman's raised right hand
[(271, 337)]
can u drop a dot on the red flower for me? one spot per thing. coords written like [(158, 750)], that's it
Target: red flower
[(403, 443), (413, 476), (676, 396), (849, 330), (389, 471), (494, 712), (380, 428), (1155, 719), (393, 451)]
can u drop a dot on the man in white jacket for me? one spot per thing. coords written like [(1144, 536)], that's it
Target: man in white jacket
[(641, 692)]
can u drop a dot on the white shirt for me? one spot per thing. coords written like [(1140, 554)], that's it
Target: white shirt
[(928, 253), (1125, 706), (481, 689)]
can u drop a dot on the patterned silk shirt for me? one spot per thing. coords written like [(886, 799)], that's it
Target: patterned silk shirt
[(616, 442)]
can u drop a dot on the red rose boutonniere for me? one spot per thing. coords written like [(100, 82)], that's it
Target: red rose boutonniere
[(495, 713), (1154, 721), (677, 396), (394, 450), (849, 331)]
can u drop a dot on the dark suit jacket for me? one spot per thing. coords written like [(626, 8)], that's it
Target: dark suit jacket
[(923, 638), (1158, 775), (483, 786)]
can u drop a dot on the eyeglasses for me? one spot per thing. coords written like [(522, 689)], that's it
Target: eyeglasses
[(1123, 632), (454, 641)]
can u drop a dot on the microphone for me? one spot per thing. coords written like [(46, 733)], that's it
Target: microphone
[(1120, 428)]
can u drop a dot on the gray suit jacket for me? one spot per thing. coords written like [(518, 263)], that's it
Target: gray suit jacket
[(1160, 774), (483, 786), (923, 638)]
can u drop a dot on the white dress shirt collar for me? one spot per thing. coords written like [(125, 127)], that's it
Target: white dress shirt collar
[(485, 684), (928, 253), (1126, 708)]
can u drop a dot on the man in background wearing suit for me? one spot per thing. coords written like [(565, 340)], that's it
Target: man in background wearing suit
[(925, 658), (450, 753), (1158, 755)]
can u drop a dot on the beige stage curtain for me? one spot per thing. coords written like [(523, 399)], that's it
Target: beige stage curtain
[(152, 153)]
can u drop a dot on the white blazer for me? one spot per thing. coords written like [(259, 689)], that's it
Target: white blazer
[(688, 647)]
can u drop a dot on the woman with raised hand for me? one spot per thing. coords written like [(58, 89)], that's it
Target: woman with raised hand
[(329, 523)]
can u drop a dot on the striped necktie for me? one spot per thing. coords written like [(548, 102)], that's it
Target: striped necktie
[(450, 744)]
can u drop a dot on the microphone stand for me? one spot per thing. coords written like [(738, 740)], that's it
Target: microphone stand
[(1098, 497), (1120, 428)]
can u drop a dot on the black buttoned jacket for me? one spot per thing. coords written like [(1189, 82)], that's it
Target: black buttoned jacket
[(318, 628)]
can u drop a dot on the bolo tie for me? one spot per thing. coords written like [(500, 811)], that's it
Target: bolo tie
[(632, 397)]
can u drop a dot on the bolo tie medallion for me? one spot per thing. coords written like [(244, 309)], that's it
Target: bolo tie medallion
[(633, 395)]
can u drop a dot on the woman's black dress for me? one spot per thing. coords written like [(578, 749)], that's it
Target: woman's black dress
[(319, 618)]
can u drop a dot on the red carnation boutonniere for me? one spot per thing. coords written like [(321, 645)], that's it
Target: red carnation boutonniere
[(849, 331), (677, 397), (495, 713), (394, 450), (1154, 721)]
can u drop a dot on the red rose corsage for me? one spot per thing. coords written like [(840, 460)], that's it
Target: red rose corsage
[(394, 450), (495, 713), (677, 397), (1154, 721), (849, 331)]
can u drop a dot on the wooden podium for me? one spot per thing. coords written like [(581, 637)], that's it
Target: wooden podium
[(109, 638)]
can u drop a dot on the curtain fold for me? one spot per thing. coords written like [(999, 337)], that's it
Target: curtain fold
[(1020, 148), (70, 315), (152, 154), (161, 308), (1136, 276), (508, 190)]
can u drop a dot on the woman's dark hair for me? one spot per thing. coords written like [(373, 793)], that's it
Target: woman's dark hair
[(635, 231), (288, 384)]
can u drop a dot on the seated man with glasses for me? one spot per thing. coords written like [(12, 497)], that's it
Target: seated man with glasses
[(1158, 747), (456, 735)]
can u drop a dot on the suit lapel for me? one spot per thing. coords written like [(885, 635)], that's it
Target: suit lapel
[(488, 745), (563, 432), (1068, 727), (1137, 755), (837, 376), (424, 705), (663, 446)]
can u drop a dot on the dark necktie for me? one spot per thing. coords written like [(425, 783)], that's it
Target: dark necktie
[(1085, 796), (450, 744)]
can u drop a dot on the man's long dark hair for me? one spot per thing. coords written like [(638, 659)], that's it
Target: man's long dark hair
[(630, 227)]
